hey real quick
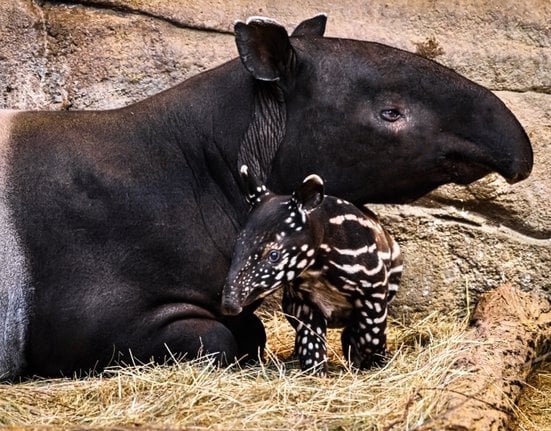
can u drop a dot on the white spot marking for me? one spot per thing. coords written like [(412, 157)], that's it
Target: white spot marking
[(302, 264)]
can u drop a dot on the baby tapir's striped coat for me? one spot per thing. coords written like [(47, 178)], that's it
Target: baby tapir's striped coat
[(337, 264)]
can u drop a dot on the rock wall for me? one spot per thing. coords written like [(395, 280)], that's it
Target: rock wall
[(458, 241)]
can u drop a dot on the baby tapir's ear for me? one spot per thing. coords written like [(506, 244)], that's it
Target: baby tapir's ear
[(251, 186), (310, 193)]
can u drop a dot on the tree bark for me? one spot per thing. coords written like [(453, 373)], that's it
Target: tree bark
[(509, 330)]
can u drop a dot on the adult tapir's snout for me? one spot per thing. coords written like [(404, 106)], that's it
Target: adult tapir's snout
[(517, 165), (486, 136), (510, 145)]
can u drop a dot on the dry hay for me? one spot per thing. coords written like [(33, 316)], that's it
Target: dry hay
[(535, 405), (403, 395)]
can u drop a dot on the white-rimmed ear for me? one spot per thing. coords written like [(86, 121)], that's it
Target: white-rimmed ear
[(253, 189), (311, 27), (264, 47), (310, 193)]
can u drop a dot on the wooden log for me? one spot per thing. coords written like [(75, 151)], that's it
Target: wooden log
[(510, 331)]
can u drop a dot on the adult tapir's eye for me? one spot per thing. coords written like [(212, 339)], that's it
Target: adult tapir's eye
[(391, 114), (274, 256)]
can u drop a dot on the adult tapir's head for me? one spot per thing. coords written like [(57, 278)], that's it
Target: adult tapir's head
[(378, 123)]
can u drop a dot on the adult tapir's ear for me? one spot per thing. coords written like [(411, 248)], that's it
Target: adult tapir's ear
[(253, 189), (310, 193), (311, 27), (264, 47)]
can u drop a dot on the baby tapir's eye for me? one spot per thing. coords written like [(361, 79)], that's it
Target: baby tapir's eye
[(274, 256)]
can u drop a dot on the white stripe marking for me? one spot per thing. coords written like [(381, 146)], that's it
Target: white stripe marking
[(395, 269), (354, 269), (338, 220), (395, 250), (384, 255), (380, 319), (356, 252)]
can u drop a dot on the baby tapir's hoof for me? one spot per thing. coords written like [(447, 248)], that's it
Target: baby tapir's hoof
[(362, 349)]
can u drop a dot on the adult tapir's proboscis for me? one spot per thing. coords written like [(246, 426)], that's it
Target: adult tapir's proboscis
[(117, 226)]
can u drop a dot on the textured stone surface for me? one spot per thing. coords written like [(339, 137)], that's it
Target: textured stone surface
[(451, 256), (458, 241)]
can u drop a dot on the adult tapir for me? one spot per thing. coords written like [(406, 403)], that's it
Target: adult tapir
[(116, 227)]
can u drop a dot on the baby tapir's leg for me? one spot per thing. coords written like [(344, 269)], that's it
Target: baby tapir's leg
[(394, 266), (311, 327), (364, 338)]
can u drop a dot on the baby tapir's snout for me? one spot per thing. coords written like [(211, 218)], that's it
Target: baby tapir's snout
[(236, 292), (231, 304)]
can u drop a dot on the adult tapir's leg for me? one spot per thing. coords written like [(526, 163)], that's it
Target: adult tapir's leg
[(241, 338), (91, 340), (249, 335)]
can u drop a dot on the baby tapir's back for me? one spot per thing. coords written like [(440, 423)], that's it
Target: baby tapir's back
[(357, 262)]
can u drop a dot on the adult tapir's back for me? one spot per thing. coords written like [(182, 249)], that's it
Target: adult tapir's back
[(114, 233)]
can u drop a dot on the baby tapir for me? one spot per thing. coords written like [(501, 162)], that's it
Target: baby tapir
[(337, 264)]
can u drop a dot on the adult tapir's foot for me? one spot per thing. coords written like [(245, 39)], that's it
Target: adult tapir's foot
[(250, 335), (227, 339), (195, 337)]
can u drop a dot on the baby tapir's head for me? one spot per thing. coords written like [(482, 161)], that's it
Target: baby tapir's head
[(278, 243)]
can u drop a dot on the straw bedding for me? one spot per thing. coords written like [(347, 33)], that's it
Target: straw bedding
[(405, 394)]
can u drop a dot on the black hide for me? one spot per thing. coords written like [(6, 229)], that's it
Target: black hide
[(127, 218)]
